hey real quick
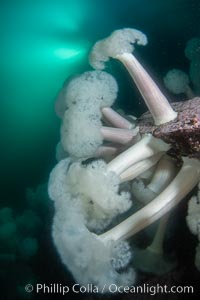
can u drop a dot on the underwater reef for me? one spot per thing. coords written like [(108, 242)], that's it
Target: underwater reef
[(108, 161), (100, 149)]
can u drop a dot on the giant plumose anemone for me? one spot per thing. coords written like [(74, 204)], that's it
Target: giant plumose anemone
[(88, 196)]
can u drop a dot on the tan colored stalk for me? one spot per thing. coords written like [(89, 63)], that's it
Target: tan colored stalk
[(146, 147), (119, 135), (140, 167), (181, 185), (157, 244), (155, 100), (116, 119), (164, 173)]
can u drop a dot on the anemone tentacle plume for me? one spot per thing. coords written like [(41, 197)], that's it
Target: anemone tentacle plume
[(120, 46), (107, 151)]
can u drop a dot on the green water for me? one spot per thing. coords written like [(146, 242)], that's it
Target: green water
[(43, 42)]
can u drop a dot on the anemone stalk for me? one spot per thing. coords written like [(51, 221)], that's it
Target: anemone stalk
[(115, 118), (156, 102), (181, 185), (145, 148)]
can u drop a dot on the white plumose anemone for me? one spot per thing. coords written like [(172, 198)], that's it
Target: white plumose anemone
[(88, 197)]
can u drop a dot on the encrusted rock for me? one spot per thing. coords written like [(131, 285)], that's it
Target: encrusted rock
[(183, 133)]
